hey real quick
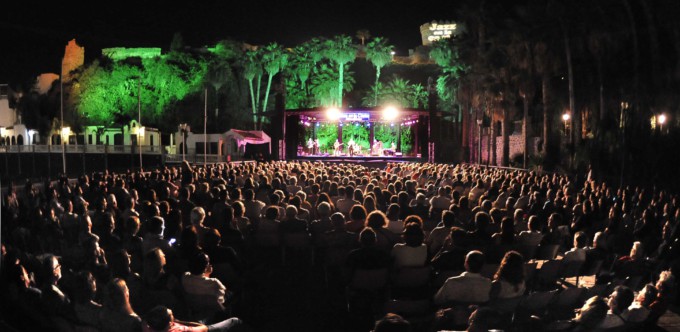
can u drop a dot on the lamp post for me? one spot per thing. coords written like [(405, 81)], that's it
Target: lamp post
[(565, 118)]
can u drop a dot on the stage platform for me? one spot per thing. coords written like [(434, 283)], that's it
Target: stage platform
[(359, 159)]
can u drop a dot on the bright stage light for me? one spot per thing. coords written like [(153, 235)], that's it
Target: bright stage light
[(662, 119), (333, 114), (390, 113), (566, 116)]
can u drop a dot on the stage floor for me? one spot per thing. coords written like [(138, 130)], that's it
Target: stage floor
[(360, 159)]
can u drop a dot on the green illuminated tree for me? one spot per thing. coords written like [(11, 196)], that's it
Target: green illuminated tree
[(252, 68), (274, 59), (341, 51), (379, 53), (323, 85)]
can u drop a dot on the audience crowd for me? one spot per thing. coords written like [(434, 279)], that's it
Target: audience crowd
[(406, 247)]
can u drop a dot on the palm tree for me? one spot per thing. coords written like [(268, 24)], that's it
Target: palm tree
[(341, 51), (379, 53), (252, 68), (273, 59), (363, 34)]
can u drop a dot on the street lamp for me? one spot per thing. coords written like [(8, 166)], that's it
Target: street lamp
[(566, 117), (662, 121)]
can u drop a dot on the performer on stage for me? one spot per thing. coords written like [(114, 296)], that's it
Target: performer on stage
[(310, 146), (316, 147), (350, 147), (337, 146)]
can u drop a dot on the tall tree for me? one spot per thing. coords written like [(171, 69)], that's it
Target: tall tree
[(379, 53), (363, 35), (273, 59), (252, 68), (341, 51)]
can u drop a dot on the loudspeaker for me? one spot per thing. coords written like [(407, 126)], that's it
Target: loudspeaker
[(291, 133)]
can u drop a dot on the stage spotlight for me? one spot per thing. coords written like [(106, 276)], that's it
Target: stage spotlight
[(333, 114), (340, 124), (317, 124), (390, 113)]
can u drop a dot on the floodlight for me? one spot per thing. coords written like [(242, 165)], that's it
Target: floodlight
[(566, 116), (662, 119), (390, 113), (333, 114)]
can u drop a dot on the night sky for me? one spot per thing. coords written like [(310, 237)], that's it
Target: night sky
[(34, 34)]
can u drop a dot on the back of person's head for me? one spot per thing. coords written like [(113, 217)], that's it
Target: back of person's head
[(271, 213), (159, 318), (248, 194), (621, 299), (367, 237), (474, 261), (118, 296), (458, 236), (636, 252), (291, 211), (376, 220), (324, 209), (599, 240), (448, 218), (534, 224), (511, 268), (338, 221), (198, 264), (393, 210), (592, 313), (413, 219), (357, 212), (197, 215), (666, 283), (580, 240), (413, 234), (155, 225), (482, 221), (392, 323)]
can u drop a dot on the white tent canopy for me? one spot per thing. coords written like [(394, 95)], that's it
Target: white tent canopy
[(243, 137)]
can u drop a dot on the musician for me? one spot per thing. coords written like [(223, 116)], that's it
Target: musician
[(337, 146), (351, 147), (316, 146), (310, 146)]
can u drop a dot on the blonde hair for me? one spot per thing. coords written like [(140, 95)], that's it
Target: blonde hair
[(636, 252)]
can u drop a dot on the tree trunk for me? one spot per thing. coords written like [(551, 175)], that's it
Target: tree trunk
[(506, 138), (253, 104), (575, 117), (266, 98), (545, 90), (341, 72), (375, 87), (525, 130)]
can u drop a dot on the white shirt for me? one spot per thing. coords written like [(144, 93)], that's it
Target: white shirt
[(575, 254), (467, 288), (200, 285), (406, 256)]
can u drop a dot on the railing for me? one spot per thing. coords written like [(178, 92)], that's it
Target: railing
[(56, 148)]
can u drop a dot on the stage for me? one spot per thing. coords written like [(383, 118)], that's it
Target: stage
[(359, 159)]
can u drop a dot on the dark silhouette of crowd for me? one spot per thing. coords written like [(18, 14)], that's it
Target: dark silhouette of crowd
[(401, 247)]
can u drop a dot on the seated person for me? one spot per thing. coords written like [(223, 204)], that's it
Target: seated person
[(578, 252), (368, 256), (639, 310), (161, 319), (619, 301), (451, 257), (197, 282), (533, 236), (469, 286)]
